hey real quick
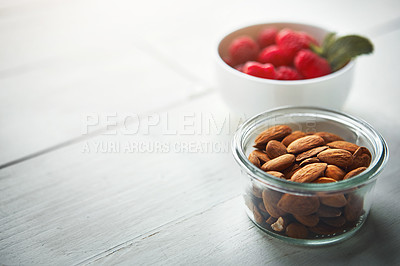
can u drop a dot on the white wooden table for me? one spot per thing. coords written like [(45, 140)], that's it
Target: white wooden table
[(76, 190)]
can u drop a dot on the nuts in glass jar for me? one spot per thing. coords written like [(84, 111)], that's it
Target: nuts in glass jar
[(321, 154), (320, 157)]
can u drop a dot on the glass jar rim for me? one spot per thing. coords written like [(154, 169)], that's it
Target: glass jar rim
[(363, 178)]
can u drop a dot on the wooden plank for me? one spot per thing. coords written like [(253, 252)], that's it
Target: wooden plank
[(74, 203), (63, 61), (47, 45), (49, 105), (223, 235)]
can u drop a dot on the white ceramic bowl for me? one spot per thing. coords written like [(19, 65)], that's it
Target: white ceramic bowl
[(250, 95)]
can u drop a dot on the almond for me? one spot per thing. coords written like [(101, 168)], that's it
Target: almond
[(354, 172), (305, 143), (310, 153), (361, 158), (308, 161), (262, 156), (257, 216), (254, 160), (362, 150), (308, 220), (344, 145), (273, 133), (279, 163), (353, 208), (328, 137), (271, 220), (271, 199), (288, 172), (334, 172), (309, 172), (270, 196), (337, 200), (299, 205), (275, 149), (326, 211), (262, 210), (339, 157), (324, 179), (256, 191), (292, 137), (296, 230), (276, 174)]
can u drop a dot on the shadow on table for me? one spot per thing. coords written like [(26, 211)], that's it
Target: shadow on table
[(373, 244)]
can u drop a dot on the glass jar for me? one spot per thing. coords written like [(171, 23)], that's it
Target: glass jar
[(309, 213)]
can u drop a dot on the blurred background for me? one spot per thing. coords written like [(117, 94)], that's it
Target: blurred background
[(63, 59)]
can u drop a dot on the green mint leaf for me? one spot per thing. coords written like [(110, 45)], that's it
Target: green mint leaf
[(316, 49), (329, 39), (345, 48)]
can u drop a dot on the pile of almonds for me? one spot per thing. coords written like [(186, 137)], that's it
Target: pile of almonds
[(318, 157)]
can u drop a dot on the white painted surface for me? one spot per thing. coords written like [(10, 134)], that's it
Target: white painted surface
[(62, 60)]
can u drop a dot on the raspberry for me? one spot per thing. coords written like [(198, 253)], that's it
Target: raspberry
[(267, 37), (292, 41), (309, 39), (274, 55), (310, 65), (243, 49), (287, 73), (259, 70)]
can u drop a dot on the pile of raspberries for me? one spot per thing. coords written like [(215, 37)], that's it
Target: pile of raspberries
[(277, 54)]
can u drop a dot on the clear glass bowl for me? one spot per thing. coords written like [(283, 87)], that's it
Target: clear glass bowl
[(337, 209)]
